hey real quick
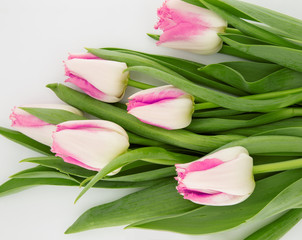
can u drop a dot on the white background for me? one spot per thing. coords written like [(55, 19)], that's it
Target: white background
[(36, 36)]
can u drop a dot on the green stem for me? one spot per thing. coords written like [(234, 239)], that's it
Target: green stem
[(279, 166), (139, 85), (263, 96)]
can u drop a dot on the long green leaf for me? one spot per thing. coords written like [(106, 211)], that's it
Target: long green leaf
[(18, 184), (249, 28), (60, 165), (279, 227), (275, 145), (180, 138), (284, 124), (234, 11), (219, 98), (287, 57), (255, 77), (42, 172), (208, 125), (289, 25), (159, 200), (25, 141), (213, 219)]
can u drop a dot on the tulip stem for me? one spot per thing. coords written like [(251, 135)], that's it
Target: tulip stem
[(262, 96), (139, 85), (276, 167)]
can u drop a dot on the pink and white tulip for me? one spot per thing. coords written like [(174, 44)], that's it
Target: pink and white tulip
[(189, 27), (34, 127), (166, 107), (90, 144), (219, 179), (101, 79)]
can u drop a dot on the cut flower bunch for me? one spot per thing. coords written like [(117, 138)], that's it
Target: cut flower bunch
[(213, 147)]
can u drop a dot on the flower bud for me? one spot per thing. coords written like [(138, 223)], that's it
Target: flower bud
[(222, 178), (34, 127), (189, 27), (91, 144), (101, 79), (166, 107)]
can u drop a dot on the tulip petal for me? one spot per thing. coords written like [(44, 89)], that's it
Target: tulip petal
[(82, 56), (168, 114), (34, 127), (233, 177), (89, 143), (108, 77), (217, 199), (41, 134), (189, 27)]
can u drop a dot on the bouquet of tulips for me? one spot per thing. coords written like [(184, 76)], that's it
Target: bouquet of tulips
[(213, 147)]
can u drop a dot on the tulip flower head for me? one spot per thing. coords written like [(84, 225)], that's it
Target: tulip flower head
[(101, 79), (189, 27), (166, 107), (222, 178), (90, 144), (34, 127)]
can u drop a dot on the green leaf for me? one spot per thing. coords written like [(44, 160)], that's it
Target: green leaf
[(249, 28), (234, 11), (25, 141), (42, 172), (279, 227), (234, 52), (219, 98), (276, 145), (148, 154), (53, 116), (210, 219), (60, 165), (154, 36), (290, 26), (159, 200), (18, 184), (180, 138), (284, 124), (255, 77), (287, 57), (208, 125)]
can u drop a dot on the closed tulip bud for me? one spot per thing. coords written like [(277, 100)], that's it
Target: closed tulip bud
[(189, 27), (222, 178), (166, 107), (91, 144), (34, 127), (101, 79)]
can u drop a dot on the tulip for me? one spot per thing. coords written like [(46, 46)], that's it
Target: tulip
[(34, 127), (101, 79), (189, 27), (222, 178), (89, 144), (166, 107)]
